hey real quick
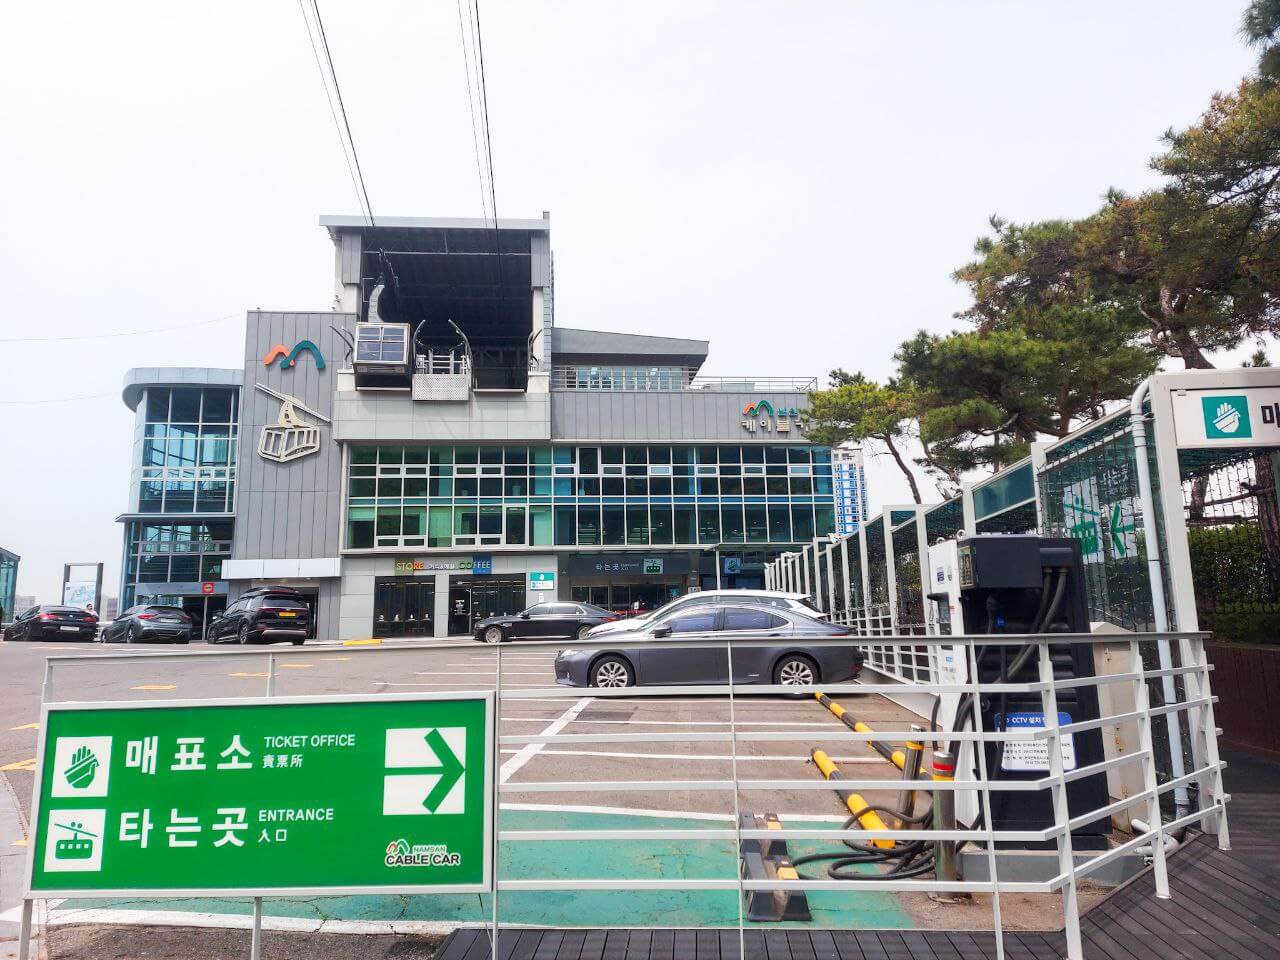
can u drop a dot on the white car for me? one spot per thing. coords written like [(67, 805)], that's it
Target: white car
[(771, 598)]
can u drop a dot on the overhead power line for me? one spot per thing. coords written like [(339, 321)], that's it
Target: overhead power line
[(342, 110), (471, 105), (122, 333), (333, 109), (87, 396)]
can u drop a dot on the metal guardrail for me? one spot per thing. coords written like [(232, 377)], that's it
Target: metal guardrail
[(1196, 704), (651, 379)]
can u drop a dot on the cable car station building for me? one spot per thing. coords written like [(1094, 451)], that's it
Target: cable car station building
[(435, 450)]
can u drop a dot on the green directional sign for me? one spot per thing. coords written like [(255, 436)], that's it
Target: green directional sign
[(275, 796)]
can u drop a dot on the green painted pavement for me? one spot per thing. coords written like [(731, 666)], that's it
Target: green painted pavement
[(673, 859)]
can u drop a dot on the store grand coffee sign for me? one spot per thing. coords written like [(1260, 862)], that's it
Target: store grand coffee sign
[(479, 565)]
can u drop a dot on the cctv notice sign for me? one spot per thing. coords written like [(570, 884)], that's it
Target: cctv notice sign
[(273, 796)]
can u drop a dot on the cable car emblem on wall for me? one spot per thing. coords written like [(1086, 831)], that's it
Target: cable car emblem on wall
[(290, 437)]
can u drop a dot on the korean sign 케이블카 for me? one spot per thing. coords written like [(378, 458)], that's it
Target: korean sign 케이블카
[(271, 796)]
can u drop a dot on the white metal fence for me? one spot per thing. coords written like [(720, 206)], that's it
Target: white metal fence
[(974, 783)]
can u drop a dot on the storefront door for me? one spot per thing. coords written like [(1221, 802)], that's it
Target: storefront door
[(475, 598)]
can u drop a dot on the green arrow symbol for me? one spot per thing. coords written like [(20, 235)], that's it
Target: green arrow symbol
[(450, 770)]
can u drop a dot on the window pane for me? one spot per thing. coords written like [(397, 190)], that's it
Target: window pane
[(660, 522), (515, 525), (700, 622), (540, 525), (736, 619), (157, 405), (802, 522), (439, 527), (637, 525), (588, 524), (731, 529), (186, 406), (757, 524), (779, 524), (686, 530), (217, 406), (614, 526), (708, 525)]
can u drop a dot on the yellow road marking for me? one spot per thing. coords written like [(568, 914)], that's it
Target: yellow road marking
[(298, 666), (335, 658), (362, 643), (20, 843), (27, 726), (155, 686), (243, 674), (21, 765)]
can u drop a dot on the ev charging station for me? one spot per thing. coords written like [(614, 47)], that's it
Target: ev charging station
[(991, 584)]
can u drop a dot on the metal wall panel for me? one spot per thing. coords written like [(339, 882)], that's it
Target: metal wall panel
[(289, 510), (688, 416)]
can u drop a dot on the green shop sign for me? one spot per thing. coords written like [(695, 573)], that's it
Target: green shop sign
[(263, 797)]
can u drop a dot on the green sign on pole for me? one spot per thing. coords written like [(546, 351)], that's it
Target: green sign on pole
[(263, 797)]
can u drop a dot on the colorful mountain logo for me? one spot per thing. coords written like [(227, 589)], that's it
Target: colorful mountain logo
[(758, 409), (289, 358)]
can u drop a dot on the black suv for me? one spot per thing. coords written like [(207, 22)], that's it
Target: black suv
[(263, 615)]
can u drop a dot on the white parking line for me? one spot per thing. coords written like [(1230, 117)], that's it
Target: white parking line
[(531, 750), (670, 814), (692, 723), (690, 756)]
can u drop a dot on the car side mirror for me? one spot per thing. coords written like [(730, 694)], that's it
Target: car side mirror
[(524, 614), (662, 631)]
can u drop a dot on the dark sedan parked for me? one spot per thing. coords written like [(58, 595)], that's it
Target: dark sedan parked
[(46, 622), (147, 623), (634, 658), (544, 621), (263, 615)]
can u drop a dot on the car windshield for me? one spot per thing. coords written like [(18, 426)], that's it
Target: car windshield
[(593, 611), (167, 610), (283, 603)]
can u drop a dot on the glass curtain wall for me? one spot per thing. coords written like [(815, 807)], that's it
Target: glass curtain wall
[(466, 496), (189, 450), (160, 552)]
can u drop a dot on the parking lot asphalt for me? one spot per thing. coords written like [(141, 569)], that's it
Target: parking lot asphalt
[(136, 673)]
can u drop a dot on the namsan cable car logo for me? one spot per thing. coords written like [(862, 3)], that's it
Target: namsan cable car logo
[(400, 853), (757, 409), (289, 358)]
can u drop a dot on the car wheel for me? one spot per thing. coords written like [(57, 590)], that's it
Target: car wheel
[(493, 635), (131, 636), (297, 643), (583, 631), (243, 635), (612, 671), (795, 670)]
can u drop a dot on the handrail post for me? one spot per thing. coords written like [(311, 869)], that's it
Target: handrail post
[(24, 930), (1150, 781), (1205, 735), (1061, 812), (737, 818), (984, 777)]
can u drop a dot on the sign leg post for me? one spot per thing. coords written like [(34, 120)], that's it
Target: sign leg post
[(255, 940), (24, 931), (497, 791)]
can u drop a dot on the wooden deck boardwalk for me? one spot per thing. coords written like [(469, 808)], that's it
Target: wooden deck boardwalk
[(1225, 905)]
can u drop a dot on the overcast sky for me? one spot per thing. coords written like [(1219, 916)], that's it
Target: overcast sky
[(793, 181)]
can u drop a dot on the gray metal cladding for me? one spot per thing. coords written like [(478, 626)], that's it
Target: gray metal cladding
[(289, 510), (688, 416)]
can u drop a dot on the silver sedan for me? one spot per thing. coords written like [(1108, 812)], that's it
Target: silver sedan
[(633, 658)]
